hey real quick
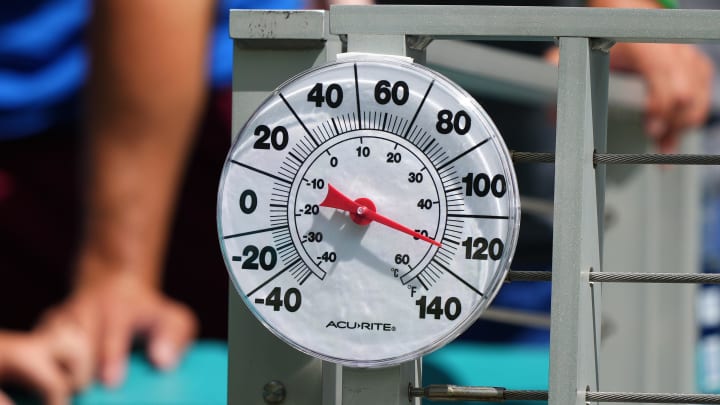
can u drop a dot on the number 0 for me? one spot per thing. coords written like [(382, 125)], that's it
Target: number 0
[(248, 201)]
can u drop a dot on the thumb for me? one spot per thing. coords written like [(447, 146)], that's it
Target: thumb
[(5, 400), (173, 330)]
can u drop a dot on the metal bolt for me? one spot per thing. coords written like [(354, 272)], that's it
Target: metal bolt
[(274, 392), (602, 45)]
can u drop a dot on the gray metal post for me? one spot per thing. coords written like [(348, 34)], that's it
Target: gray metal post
[(599, 82), (269, 47), (574, 333)]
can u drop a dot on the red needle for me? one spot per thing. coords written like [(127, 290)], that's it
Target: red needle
[(362, 211)]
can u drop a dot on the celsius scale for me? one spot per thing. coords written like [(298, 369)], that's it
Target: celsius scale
[(368, 211)]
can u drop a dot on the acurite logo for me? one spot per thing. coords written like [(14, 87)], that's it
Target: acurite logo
[(374, 326)]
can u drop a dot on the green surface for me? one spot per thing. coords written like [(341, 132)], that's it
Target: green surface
[(199, 379), (509, 366), (201, 376)]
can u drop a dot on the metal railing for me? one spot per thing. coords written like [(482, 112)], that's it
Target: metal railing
[(272, 46)]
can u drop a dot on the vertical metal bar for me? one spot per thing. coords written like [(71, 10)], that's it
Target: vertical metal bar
[(576, 245), (600, 77), (388, 386), (673, 245), (255, 356), (599, 82), (332, 383)]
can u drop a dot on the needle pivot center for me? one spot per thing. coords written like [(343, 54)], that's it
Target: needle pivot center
[(360, 214)]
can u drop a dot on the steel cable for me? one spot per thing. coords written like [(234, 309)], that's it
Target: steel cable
[(624, 158), (622, 277), (442, 392)]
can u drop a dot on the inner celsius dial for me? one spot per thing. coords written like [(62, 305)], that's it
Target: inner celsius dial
[(389, 176)]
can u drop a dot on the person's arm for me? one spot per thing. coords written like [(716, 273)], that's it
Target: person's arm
[(145, 94), (146, 91), (678, 78)]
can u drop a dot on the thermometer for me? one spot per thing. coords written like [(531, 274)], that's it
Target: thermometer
[(368, 211)]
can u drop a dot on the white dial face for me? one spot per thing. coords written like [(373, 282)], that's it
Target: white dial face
[(368, 211)]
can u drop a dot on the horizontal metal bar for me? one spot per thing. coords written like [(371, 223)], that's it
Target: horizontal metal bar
[(488, 71), (446, 392), (517, 317), (528, 23), (622, 277), (291, 28), (480, 69)]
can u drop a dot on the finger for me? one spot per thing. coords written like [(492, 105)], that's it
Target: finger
[(659, 106), (114, 347), (71, 346), (5, 400), (701, 78), (668, 144), (76, 312), (688, 86), (686, 92), (71, 337), (170, 334), (56, 395), (680, 88), (552, 55), (46, 378)]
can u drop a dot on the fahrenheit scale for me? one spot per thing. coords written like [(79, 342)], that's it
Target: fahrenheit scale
[(368, 211)]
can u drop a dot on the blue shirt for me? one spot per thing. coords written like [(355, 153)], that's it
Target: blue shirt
[(43, 61)]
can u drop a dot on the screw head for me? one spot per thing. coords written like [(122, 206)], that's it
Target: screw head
[(274, 392)]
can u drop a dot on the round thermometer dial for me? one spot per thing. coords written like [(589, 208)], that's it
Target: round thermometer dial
[(368, 211)]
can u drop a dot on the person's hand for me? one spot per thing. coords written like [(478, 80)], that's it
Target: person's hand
[(52, 362), (679, 85), (113, 309)]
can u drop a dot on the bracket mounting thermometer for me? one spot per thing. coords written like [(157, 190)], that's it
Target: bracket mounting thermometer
[(368, 211)]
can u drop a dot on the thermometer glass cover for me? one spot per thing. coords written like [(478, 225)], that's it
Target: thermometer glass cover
[(368, 211)]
